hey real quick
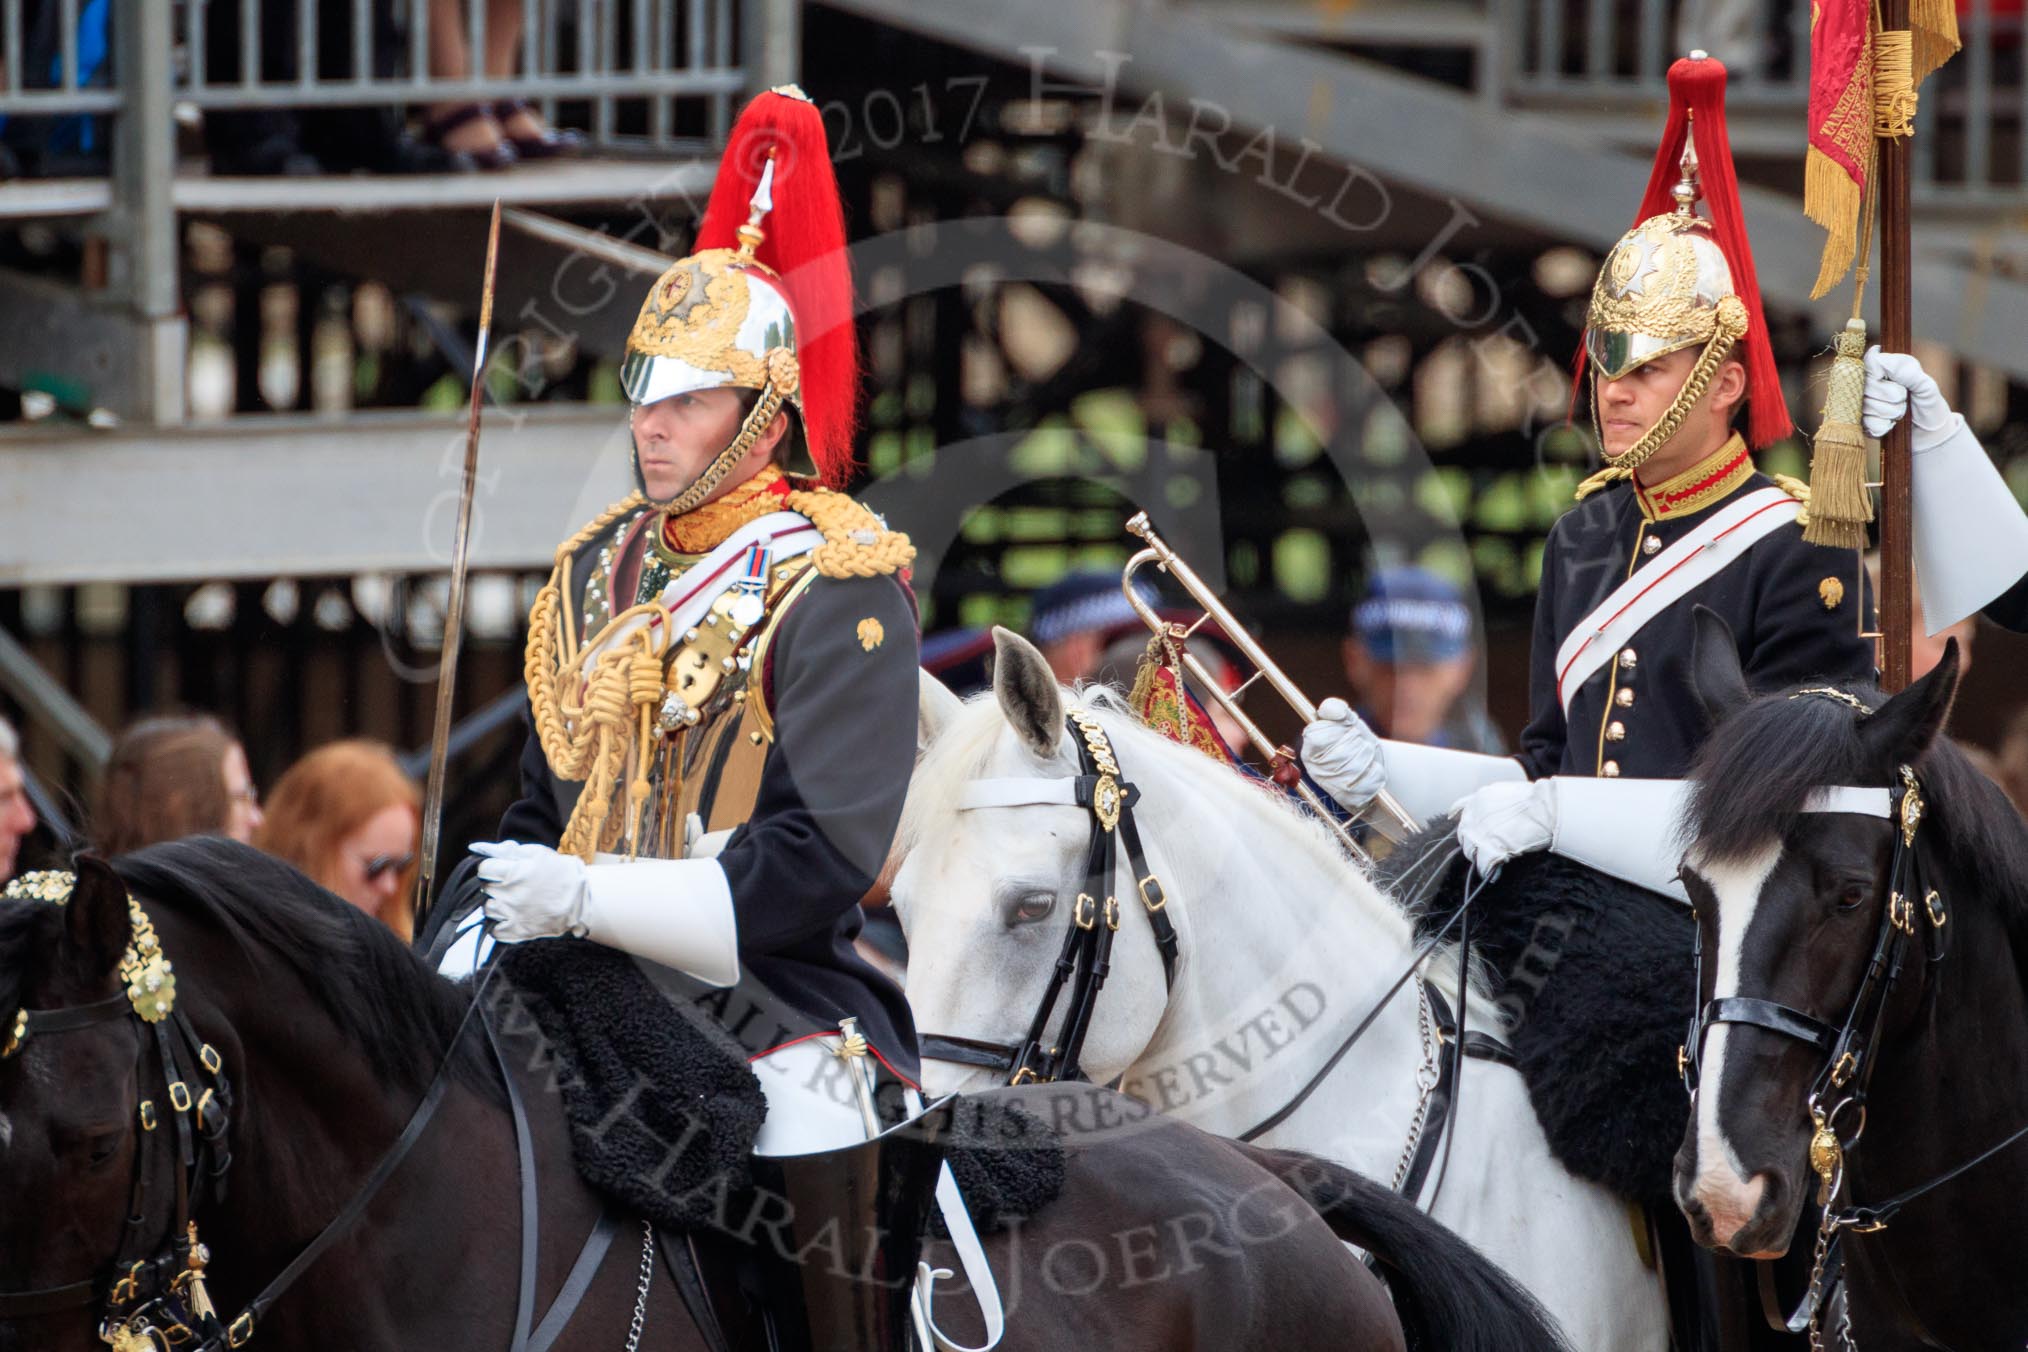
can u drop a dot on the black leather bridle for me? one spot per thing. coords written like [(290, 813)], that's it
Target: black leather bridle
[(1848, 1046), (1838, 1094), (1085, 960), (162, 1300), (166, 1288)]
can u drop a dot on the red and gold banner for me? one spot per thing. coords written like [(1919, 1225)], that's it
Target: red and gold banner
[(1862, 85)]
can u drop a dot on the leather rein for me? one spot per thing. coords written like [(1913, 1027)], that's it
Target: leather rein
[(1838, 1094), (162, 1300)]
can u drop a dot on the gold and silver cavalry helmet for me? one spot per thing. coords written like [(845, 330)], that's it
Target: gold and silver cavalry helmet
[(1665, 286), (716, 319)]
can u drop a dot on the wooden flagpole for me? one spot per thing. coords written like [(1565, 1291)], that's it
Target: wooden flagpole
[(1897, 576)]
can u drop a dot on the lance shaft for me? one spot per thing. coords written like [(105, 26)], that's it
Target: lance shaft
[(1897, 581), (454, 613)]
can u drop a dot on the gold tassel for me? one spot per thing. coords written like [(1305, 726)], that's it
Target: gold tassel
[(1935, 26), (1832, 200), (1840, 506)]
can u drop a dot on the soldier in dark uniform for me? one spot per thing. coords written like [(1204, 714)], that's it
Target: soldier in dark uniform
[(1677, 351), (722, 667)]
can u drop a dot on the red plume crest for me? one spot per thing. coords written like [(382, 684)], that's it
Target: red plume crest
[(1697, 107), (805, 245)]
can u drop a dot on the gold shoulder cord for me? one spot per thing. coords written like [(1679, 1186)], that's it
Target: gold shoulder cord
[(584, 708)]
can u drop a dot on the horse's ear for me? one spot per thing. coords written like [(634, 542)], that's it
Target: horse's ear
[(1899, 731), (934, 709), (96, 928), (1028, 693), (1715, 673)]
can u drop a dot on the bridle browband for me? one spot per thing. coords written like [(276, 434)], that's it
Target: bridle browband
[(1085, 960)]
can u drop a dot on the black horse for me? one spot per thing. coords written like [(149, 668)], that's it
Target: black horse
[(1866, 1024), (323, 1033)]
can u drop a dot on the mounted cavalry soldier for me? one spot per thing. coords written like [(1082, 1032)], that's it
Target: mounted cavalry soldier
[(722, 677), (1683, 390)]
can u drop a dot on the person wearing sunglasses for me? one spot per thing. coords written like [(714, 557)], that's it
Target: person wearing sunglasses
[(348, 817)]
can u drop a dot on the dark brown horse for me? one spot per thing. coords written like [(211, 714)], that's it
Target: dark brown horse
[(1865, 979), (330, 1032)]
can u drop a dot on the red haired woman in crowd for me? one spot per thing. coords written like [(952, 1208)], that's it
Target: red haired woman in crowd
[(346, 815)]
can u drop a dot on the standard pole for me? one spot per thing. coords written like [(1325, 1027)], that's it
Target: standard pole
[(1897, 578)]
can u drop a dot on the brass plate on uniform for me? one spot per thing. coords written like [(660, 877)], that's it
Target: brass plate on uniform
[(871, 633), (1831, 591)]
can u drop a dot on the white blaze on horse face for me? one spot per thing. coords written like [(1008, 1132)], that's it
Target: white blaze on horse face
[(1729, 1197)]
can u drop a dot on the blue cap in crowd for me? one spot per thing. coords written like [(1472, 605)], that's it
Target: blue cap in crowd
[(1082, 602), (1411, 616)]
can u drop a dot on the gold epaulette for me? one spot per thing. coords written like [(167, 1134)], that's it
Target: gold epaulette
[(856, 543), (1797, 489), (1611, 474)]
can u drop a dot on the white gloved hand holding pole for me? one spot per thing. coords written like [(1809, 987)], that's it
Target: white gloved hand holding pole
[(1342, 755), (1896, 384)]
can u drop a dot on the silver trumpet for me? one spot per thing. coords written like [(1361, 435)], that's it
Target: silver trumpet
[(1383, 812)]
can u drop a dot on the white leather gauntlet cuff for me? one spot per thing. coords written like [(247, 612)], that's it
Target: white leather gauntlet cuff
[(1628, 828), (1970, 537), (1430, 780), (677, 912)]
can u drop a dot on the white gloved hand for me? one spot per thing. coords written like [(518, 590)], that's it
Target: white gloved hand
[(532, 892), (1502, 820), (1343, 755), (1897, 384)]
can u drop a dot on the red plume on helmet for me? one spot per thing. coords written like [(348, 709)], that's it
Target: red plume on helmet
[(805, 245), (1697, 107)]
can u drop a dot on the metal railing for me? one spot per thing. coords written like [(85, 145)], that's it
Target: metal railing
[(1971, 142), (237, 54)]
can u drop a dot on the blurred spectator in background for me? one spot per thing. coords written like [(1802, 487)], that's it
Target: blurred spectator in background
[(17, 818), (274, 138), (348, 817), (1410, 659), (495, 135), (1077, 618), (173, 776)]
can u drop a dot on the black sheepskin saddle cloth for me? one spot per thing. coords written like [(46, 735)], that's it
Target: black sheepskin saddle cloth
[(664, 1108), (1594, 977)]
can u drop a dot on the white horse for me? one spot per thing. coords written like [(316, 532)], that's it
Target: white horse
[(1285, 945)]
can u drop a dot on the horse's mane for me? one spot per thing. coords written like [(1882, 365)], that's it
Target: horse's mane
[(963, 749), (1761, 763), (383, 998)]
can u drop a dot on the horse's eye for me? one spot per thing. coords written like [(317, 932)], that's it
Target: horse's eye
[(1852, 896), (102, 1148), (1030, 907)]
